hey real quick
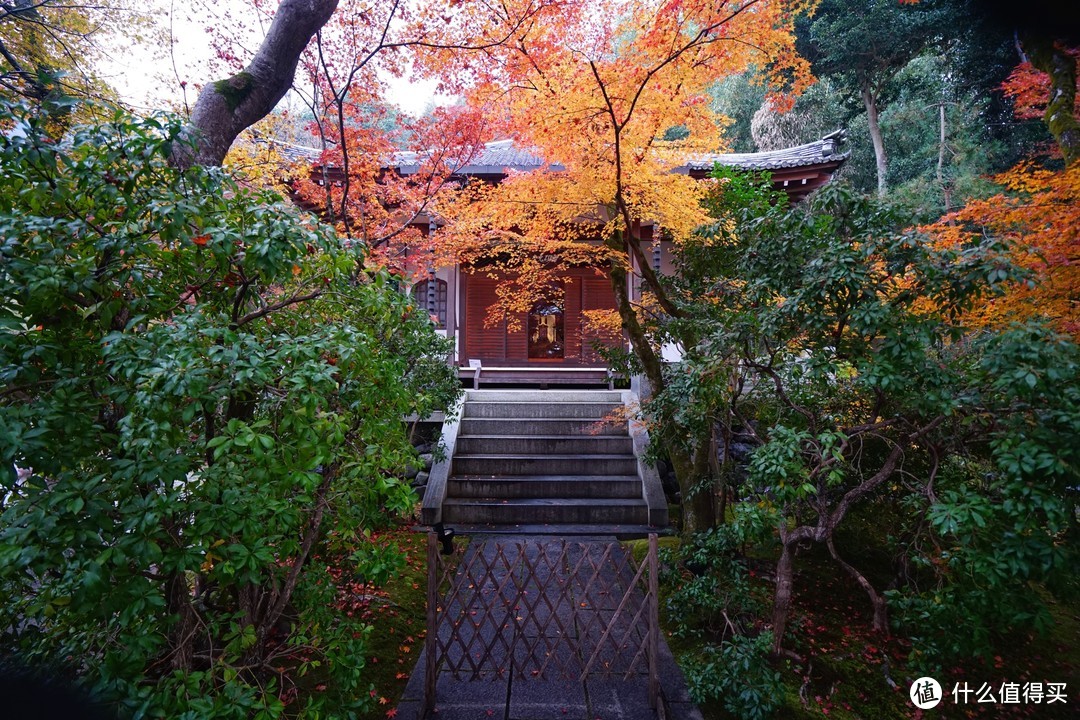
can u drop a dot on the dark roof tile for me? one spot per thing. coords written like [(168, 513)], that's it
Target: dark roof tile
[(819, 151), (502, 155)]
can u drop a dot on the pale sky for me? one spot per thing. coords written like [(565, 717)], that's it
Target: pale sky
[(148, 75)]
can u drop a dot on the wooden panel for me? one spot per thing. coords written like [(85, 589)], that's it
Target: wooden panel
[(481, 341), (597, 295), (584, 289), (517, 340), (572, 315)]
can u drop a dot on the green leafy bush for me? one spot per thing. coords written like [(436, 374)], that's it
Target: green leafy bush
[(712, 598), (737, 674), (711, 594), (200, 390)]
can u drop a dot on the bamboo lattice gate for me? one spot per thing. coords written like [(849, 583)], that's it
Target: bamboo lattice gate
[(542, 608)]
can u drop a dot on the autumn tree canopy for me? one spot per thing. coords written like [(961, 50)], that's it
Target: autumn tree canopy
[(341, 48), (1036, 218), (1035, 214), (595, 95)]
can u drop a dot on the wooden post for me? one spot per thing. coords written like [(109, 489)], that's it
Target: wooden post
[(654, 624), (430, 640)]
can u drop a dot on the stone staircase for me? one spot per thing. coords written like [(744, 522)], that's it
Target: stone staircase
[(536, 461)]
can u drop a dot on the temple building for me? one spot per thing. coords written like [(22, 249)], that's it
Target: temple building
[(551, 345)]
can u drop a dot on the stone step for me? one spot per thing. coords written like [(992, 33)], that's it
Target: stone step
[(550, 396), (544, 445), (539, 409), (500, 465), (539, 426), (546, 486), (623, 531), (545, 511)]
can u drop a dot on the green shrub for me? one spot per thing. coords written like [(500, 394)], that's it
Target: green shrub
[(202, 391), (711, 594), (737, 674)]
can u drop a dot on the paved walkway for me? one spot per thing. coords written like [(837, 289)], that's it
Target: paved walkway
[(509, 631)]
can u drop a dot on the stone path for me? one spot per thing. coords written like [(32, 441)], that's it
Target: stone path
[(502, 693)]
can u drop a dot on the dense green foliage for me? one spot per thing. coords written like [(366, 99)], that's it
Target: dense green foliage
[(712, 599), (200, 394), (932, 70), (831, 343), (737, 675)]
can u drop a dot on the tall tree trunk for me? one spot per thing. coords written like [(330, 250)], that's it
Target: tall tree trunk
[(696, 507), (785, 571), (719, 467), (226, 107), (182, 634), (1060, 116), (697, 512), (946, 190), (704, 509), (870, 103)]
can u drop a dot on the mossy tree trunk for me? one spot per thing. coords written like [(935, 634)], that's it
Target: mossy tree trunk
[(227, 107), (1060, 116), (691, 466)]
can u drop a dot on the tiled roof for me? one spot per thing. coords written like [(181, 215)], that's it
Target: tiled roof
[(824, 150), (502, 155), (497, 157), (494, 159), (290, 151)]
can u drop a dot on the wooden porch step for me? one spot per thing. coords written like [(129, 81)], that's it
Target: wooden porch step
[(623, 531), (541, 409), (540, 375), (563, 427), (545, 444)]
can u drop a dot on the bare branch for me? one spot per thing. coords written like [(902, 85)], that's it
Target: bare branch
[(267, 310)]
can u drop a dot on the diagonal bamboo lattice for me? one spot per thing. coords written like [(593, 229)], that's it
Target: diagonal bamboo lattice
[(544, 608)]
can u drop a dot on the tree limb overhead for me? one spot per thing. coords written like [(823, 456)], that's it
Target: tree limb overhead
[(226, 107)]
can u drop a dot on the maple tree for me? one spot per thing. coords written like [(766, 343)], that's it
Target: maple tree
[(352, 40), (1058, 64), (1029, 87), (596, 94), (264, 155), (357, 184), (341, 77), (1037, 219), (1036, 215)]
